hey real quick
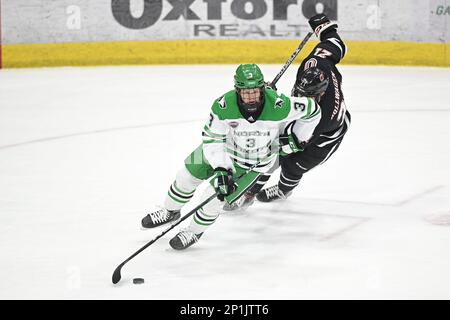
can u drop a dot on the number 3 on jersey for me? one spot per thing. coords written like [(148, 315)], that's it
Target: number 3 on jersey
[(299, 106)]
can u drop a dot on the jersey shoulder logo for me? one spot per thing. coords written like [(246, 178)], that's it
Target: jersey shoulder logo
[(310, 63), (279, 103), (222, 103)]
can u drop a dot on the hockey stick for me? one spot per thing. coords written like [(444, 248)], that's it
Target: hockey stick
[(291, 59), (116, 275)]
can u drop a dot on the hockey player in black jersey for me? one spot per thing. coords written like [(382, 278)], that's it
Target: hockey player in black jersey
[(317, 77)]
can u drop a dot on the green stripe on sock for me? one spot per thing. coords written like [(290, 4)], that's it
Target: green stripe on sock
[(201, 223), (202, 213), (188, 194), (177, 200)]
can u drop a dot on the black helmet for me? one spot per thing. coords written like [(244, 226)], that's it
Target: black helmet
[(310, 83)]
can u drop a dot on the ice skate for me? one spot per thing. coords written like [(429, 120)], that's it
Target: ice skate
[(184, 239), (160, 217), (242, 203), (271, 194)]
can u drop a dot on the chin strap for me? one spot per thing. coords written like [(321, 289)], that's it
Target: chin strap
[(249, 115)]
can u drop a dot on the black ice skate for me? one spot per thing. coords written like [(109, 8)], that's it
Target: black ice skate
[(242, 203), (160, 217), (184, 239), (271, 194)]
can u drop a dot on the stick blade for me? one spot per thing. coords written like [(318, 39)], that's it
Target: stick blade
[(116, 275)]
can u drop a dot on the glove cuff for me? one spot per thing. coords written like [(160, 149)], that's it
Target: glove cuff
[(293, 143), (319, 30), (223, 171)]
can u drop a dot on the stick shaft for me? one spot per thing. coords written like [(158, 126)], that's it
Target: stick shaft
[(291, 59), (116, 275), (172, 226)]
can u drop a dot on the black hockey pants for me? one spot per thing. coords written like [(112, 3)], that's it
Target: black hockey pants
[(295, 165)]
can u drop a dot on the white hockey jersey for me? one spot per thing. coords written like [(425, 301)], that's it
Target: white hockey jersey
[(229, 139)]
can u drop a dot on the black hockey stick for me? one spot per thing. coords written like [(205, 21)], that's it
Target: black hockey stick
[(292, 58), (116, 275)]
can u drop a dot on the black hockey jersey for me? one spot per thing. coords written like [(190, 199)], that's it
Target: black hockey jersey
[(326, 55)]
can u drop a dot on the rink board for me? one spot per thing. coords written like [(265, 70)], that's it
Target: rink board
[(37, 33), (215, 52)]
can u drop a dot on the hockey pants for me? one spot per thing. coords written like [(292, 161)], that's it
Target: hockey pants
[(190, 176)]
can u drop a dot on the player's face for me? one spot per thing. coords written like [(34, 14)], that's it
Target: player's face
[(250, 96)]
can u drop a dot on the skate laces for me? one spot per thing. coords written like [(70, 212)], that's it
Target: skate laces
[(274, 192), (159, 216), (186, 237)]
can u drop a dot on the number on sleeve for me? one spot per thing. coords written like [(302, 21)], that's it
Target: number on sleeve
[(299, 106), (322, 53)]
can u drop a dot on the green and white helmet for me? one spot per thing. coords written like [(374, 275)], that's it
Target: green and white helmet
[(247, 77)]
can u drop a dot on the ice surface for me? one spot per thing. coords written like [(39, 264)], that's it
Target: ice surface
[(86, 152)]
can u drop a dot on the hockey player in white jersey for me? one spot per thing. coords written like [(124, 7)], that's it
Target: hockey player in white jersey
[(240, 143)]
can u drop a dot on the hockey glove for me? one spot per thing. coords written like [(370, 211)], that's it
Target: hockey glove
[(290, 144), (223, 182), (320, 23)]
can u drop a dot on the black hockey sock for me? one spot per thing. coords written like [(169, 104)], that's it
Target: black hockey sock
[(259, 184), (288, 183)]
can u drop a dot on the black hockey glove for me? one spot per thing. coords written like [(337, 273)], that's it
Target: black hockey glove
[(290, 144), (320, 23), (223, 182)]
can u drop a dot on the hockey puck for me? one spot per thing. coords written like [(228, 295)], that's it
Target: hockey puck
[(138, 280)]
